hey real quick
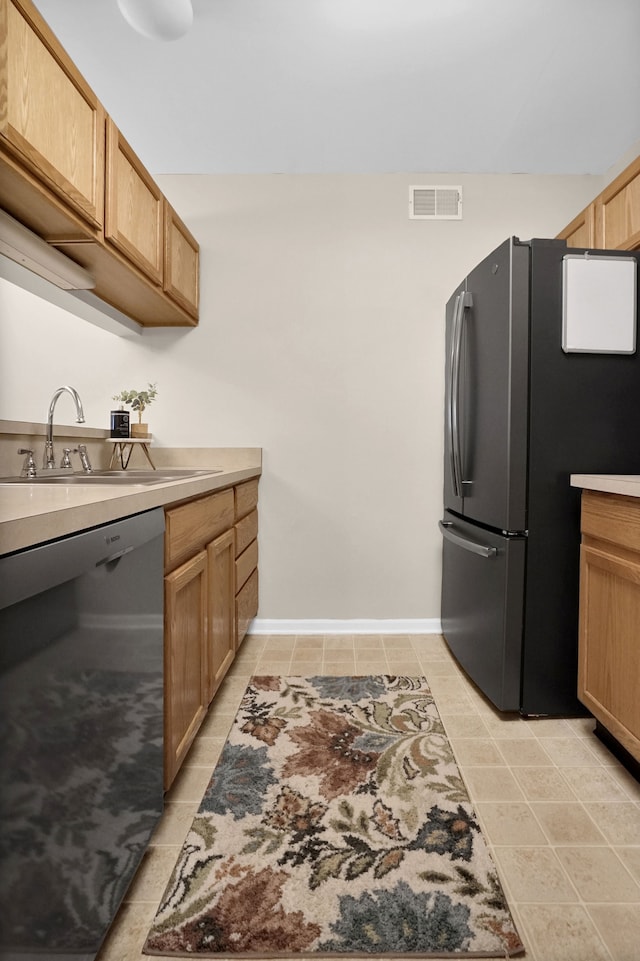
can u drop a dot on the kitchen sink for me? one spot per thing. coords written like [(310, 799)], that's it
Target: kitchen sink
[(122, 478)]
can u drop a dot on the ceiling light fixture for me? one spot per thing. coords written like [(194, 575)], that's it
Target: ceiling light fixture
[(158, 19)]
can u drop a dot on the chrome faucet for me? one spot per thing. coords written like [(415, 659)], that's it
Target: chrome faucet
[(49, 458)]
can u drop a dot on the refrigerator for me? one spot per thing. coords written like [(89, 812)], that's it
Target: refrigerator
[(527, 403)]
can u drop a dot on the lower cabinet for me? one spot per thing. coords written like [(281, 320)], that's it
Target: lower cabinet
[(609, 653), (210, 597)]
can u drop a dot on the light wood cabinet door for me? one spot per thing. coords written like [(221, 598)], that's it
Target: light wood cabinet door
[(609, 653), (581, 232), (50, 119), (185, 659), (134, 214), (181, 262), (221, 623), (620, 203)]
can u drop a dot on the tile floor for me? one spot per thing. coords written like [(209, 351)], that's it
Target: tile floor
[(561, 815)]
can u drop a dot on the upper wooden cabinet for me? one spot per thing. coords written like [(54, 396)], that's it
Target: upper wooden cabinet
[(134, 214), (68, 174), (39, 85), (612, 220), (181, 262)]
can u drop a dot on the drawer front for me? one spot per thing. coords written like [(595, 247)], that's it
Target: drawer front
[(246, 531), (246, 564), (246, 605), (192, 525), (612, 517), (246, 498)]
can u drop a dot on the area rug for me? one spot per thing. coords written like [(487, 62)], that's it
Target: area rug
[(335, 824)]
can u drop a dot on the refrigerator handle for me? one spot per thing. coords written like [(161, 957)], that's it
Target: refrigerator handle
[(452, 408), (465, 300), (483, 550)]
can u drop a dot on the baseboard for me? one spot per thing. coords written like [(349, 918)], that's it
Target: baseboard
[(264, 625)]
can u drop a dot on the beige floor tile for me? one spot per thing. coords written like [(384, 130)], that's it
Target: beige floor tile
[(281, 643), (448, 684), (216, 724), (543, 784), (491, 784), (619, 927), (628, 783), (534, 874), (568, 752), (371, 663), (507, 726), (595, 784), (562, 932), (510, 823), (619, 822), (205, 751), (567, 823), (339, 643), (630, 856), (476, 751), (465, 725), (336, 668), (598, 874), (523, 752), (408, 666), (551, 727), (153, 874), (582, 726), (174, 823), (189, 785), (306, 664), (368, 642), (454, 704), (274, 664), (309, 643), (439, 668), (128, 933)]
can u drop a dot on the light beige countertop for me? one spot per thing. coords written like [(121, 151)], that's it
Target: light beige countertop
[(627, 484), (31, 514)]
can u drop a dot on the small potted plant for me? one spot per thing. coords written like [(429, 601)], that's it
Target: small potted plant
[(138, 400)]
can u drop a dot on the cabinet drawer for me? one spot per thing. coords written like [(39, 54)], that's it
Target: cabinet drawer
[(611, 517), (192, 525), (246, 498), (246, 605), (246, 531), (246, 564)]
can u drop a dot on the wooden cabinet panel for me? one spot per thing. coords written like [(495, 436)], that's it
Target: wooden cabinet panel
[(246, 606), (246, 531), (191, 525), (181, 263), (39, 86), (581, 231), (184, 659), (609, 653), (221, 627), (246, 497), (620, 203), (246, 564), (134, 215)]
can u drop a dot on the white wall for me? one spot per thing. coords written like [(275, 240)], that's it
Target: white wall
[(321, 340)]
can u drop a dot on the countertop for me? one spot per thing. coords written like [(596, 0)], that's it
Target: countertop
[(627, 484), (33, 514)]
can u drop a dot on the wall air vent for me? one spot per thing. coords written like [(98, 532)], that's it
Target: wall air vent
[(435, 203)]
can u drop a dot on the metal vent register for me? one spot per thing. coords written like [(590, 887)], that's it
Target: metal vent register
[(435, 203)]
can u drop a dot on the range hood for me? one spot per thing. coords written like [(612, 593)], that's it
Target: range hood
[(26, 248)]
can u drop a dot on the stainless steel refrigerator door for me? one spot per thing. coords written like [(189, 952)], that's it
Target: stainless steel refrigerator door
[(483, 605), (493, 390)]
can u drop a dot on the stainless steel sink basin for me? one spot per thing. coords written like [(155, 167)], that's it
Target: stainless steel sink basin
[(121, 478)]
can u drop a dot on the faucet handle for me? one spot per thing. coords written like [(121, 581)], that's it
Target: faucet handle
[(29, 466), (66, 459), (84, 458)]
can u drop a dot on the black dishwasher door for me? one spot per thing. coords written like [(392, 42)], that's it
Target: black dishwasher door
[(81, 759)]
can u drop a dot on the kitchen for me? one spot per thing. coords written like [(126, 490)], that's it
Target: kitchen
[(320, 340)]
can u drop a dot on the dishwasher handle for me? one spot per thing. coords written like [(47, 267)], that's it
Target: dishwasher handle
[(115, 557), (482, 550)]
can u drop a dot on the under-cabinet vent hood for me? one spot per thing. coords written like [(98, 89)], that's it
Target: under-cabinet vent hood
[(26, 248)]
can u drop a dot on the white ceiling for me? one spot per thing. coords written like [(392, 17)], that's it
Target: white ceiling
[(369, 86)]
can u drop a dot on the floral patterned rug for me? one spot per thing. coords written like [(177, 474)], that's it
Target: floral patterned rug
[(335, 823)]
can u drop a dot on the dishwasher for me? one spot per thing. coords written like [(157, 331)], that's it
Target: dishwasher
[(81, 722)]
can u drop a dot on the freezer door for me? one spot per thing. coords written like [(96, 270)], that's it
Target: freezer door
[(483, 607), (493, 389)]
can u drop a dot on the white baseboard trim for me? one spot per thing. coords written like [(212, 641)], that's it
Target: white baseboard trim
[(359, 625)]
